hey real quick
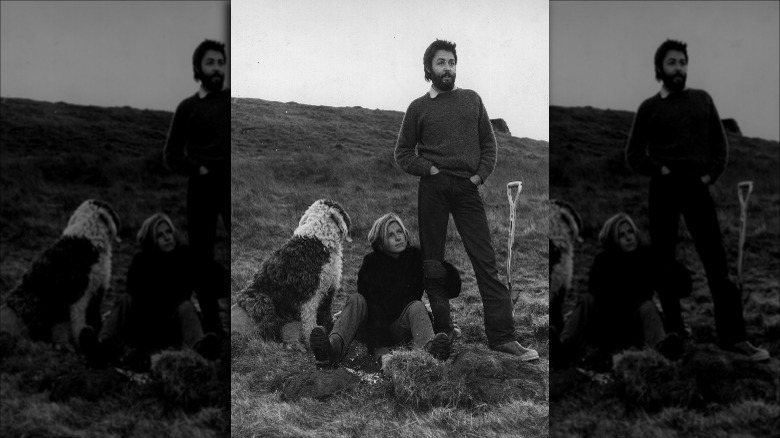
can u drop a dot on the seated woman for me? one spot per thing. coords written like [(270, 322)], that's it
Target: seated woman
[(156, 312), (387, 307), (618, 311)]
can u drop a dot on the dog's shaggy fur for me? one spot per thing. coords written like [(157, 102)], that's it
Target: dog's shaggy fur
[(298, 281), (565, 229), (59, 296)]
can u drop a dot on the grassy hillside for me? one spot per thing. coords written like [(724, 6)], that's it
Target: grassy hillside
[(708, 393), (287, 155), (53, 157)]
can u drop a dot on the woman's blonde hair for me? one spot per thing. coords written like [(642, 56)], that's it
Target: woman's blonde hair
[(608, 236), (378, 235), (147, 234)]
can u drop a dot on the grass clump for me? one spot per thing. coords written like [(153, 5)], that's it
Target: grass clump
[(648, 380), (183, 379), (422, 382)]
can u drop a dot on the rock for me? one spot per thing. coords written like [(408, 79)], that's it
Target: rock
[(730, 125), (319, 384), (240, 322), (499, 125), (12, 324)]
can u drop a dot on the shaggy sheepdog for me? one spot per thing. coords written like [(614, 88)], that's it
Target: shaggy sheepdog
[(298, 281), (59, 296), (565, 228)]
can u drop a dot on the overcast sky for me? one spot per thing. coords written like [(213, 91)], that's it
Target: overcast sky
[(601, 55), (105, 53), (369, 53)]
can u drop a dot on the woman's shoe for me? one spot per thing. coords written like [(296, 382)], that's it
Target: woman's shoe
[(320, 346)]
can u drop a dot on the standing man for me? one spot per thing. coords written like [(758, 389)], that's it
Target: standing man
[(446, 139), (198, 146), (677, 139)]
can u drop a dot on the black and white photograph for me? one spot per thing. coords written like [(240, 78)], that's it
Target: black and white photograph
[(664, 296), (115, 210), (390, 204)]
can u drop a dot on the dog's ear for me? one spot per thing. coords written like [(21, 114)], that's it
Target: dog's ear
[(339, 219), (304, 218), (343, 221), (109, 221), (108, 209), (108, 216), (571, 223), (333, 204), (570, 216), (577, 218)]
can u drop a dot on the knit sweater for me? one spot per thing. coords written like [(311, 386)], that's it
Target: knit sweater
[(160, 281), (200, 134), (682, 132), (622, 281), (451, 132), (389, 284)]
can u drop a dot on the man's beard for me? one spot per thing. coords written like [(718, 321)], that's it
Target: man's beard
[(671, 84), (444, 86), (210, 82)]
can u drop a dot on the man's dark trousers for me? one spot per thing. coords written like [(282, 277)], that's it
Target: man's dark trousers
[(439, 196), (678, 194), (208, 196)]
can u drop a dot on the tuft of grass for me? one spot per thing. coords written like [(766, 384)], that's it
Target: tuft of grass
[(183, 379), (648, 380), (423, 382)]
